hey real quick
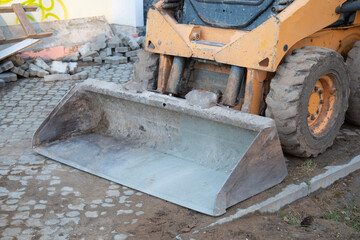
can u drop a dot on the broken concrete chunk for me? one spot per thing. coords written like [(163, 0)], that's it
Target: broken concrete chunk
[(116, 60), (84, 49), (121, 49), (72, 57), (98, 42), (133, 53), (6, 66), (8, 77), (59, 67), (202, 99), (132, 43), (92, 54), (20, 72), (73, 67), (2, 83), (41, 64), (80, 76), (57, 77), (35, 71)]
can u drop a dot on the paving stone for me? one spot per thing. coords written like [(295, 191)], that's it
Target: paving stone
[(57, 77), (35, 71), (59, 67), (2, 83), (121, 49), (6, 66), (79, 76), (98, 59), (141, 41), (116, 60), (92, 54), (108, 52), (133, 53), (133, 59), (20, 72), (114, 42), (87, 59), (72, 57), (8, 77), (41, 64), (73, 66), (132, 43)]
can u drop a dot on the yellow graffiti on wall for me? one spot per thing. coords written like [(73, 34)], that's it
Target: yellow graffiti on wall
[(49, 8)]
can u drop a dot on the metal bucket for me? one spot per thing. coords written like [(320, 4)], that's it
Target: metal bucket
[(203, 159)]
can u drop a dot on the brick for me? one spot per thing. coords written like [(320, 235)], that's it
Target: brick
[(121, 49), (35, 71), (73, 67), (6, 66), (57, 77), (20, 72), (133, 53), (8, 77), (59, 67), (116, 60), (41, 64), (2, 83)]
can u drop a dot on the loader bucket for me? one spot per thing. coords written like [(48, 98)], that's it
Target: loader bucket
[(203, 159)]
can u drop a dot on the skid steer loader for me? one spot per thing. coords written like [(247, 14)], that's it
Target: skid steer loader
[(275, 70)]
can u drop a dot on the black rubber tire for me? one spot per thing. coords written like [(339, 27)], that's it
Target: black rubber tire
[(146, 69), (353, 63), (290, 90)]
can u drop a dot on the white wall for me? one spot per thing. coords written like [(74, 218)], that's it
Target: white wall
[(124, 12)]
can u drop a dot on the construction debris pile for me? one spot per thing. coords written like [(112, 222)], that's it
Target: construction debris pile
[(120, 49)]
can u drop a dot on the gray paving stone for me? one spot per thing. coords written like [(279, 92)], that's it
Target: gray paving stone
[(98, 59), (20, 72), (35, 71), (8, 77), (6, 66), (73, 66), (57, 77), (132, 43), (121, 49), (72, 57), (41, 64), (116, 60), (2, 83), (87, 59), (59, 67)]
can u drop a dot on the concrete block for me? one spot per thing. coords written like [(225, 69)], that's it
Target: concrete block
[(132, 43), (72, 57), (116, 60), (141, 41), (87, 59), (57, 77), (85, 49), (8, 77), (98, 59), (6, 66), (35, 71), (73, 67), (121, 49), (59, 67), (20, 72), (201, 99), (98, 42), (108, 52), (41, 64), (2, 83), (80, 76), (132, 53), (133, 59)]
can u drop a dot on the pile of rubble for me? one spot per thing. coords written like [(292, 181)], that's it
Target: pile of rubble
[(120, 49)]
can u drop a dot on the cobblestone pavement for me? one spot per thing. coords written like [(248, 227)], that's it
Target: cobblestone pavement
[(38, 200)]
